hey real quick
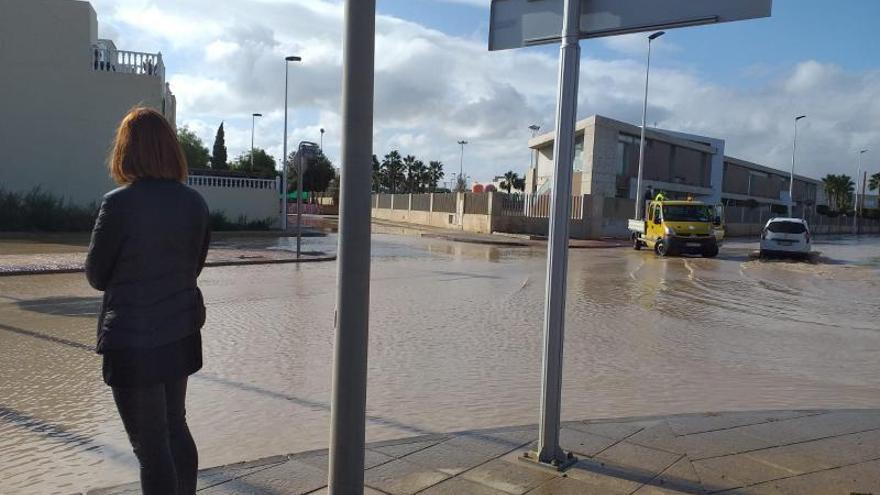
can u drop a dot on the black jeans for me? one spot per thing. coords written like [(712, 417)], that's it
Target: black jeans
[(155, 420)]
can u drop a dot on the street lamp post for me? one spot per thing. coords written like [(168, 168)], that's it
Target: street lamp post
[(791, 179), (856, 195), (639, 200), (253, 124), (461, 160), (287, 61), (322, 139), (534, 128)]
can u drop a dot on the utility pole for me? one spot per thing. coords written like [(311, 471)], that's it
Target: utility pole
[(639, 201), (253, 126), (287, 61), (791, 179)]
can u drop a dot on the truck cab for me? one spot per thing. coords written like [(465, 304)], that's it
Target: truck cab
[(675, 227)]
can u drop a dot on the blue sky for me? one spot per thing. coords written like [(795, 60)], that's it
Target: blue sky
[(436, 83)]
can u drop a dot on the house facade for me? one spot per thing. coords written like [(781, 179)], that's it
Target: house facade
[(63, 92)]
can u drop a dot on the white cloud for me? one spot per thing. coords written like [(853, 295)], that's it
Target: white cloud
[(433, 89)]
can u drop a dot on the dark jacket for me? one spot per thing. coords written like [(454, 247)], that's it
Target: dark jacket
[(148, 248)]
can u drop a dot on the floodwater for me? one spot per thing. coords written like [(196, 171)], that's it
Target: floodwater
[(455, 343)]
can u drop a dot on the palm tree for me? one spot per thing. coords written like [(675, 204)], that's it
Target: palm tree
[(874, 182), (510, 181), (839, 190), (392, 168), (377, 175), (411, 166), (434, 174)]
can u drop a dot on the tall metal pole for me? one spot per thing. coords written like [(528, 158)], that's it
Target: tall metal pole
[(322, 139), (300, 178), (856, 194), (284, 154), (791, 179), (639, 200), (253, 124), (557, 249), (349, 396), (284, 164), (461, 164)]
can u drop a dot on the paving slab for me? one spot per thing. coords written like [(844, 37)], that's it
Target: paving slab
[(746, 469), (859, 479), (566, 486), (607, 478), (401, 477), (460, 486), (509, 475), (585, 444), (290, 478), (494, 442), (321, 460), (614, 430), (679, 478), (815, 427), (401, 449), (701, 423), (722, 442), (450, 458), (661, 437), (367, 491), (625, 454)]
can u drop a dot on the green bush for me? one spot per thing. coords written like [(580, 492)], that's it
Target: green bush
[(220, 222), (41, 211)]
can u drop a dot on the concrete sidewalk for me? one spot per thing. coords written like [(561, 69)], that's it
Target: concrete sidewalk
[(743, 453), (495, 239)]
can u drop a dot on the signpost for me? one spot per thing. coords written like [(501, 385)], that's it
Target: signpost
[(520, 23), (305, 153)]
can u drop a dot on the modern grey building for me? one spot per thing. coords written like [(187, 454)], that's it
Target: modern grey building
[(64, 92), (680, 165)]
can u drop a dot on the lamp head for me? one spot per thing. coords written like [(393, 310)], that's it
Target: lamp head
[(800, 117), (293, 58), (257, 115), (656, 35)]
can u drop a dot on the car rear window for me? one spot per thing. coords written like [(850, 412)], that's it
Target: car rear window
[(787, 228)]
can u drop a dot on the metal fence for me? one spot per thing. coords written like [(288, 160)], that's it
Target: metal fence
[(446, 202), (383, 201), (400, 202), (231, 182), (476, 203), (421, 202), (535, 205)]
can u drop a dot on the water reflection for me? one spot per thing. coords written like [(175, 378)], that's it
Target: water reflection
[(455, 344)]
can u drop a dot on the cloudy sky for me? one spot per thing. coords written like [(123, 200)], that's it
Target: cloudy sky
[(436, 83)]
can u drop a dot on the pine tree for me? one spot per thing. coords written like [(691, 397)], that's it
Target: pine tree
[(218, 156)]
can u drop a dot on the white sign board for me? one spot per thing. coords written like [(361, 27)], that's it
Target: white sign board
[(519, 23)]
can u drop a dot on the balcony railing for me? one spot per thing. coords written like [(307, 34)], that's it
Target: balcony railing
[(126, 62)]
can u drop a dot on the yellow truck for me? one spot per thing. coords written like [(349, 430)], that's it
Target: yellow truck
[(678, 227)]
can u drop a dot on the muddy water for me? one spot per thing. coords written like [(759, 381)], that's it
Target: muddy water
[(455, 344)]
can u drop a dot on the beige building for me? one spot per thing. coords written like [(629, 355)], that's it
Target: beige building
[(63, 91), (607, 159)]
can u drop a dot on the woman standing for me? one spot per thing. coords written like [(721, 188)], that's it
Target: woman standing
[(147, 250)]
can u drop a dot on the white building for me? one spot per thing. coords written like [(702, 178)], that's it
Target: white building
[(63, 92)]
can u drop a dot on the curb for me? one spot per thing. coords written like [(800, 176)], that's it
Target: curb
[(210, 264)]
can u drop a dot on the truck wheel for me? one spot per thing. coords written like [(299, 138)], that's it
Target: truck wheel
[(637, 244), (661, 249), (710, 252)]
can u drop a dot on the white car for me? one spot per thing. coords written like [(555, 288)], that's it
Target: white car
[(783, 236)]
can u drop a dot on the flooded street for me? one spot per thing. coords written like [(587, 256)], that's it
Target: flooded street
[(455, 344)]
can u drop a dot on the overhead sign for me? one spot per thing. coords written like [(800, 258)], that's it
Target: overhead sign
[(519, 23)]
